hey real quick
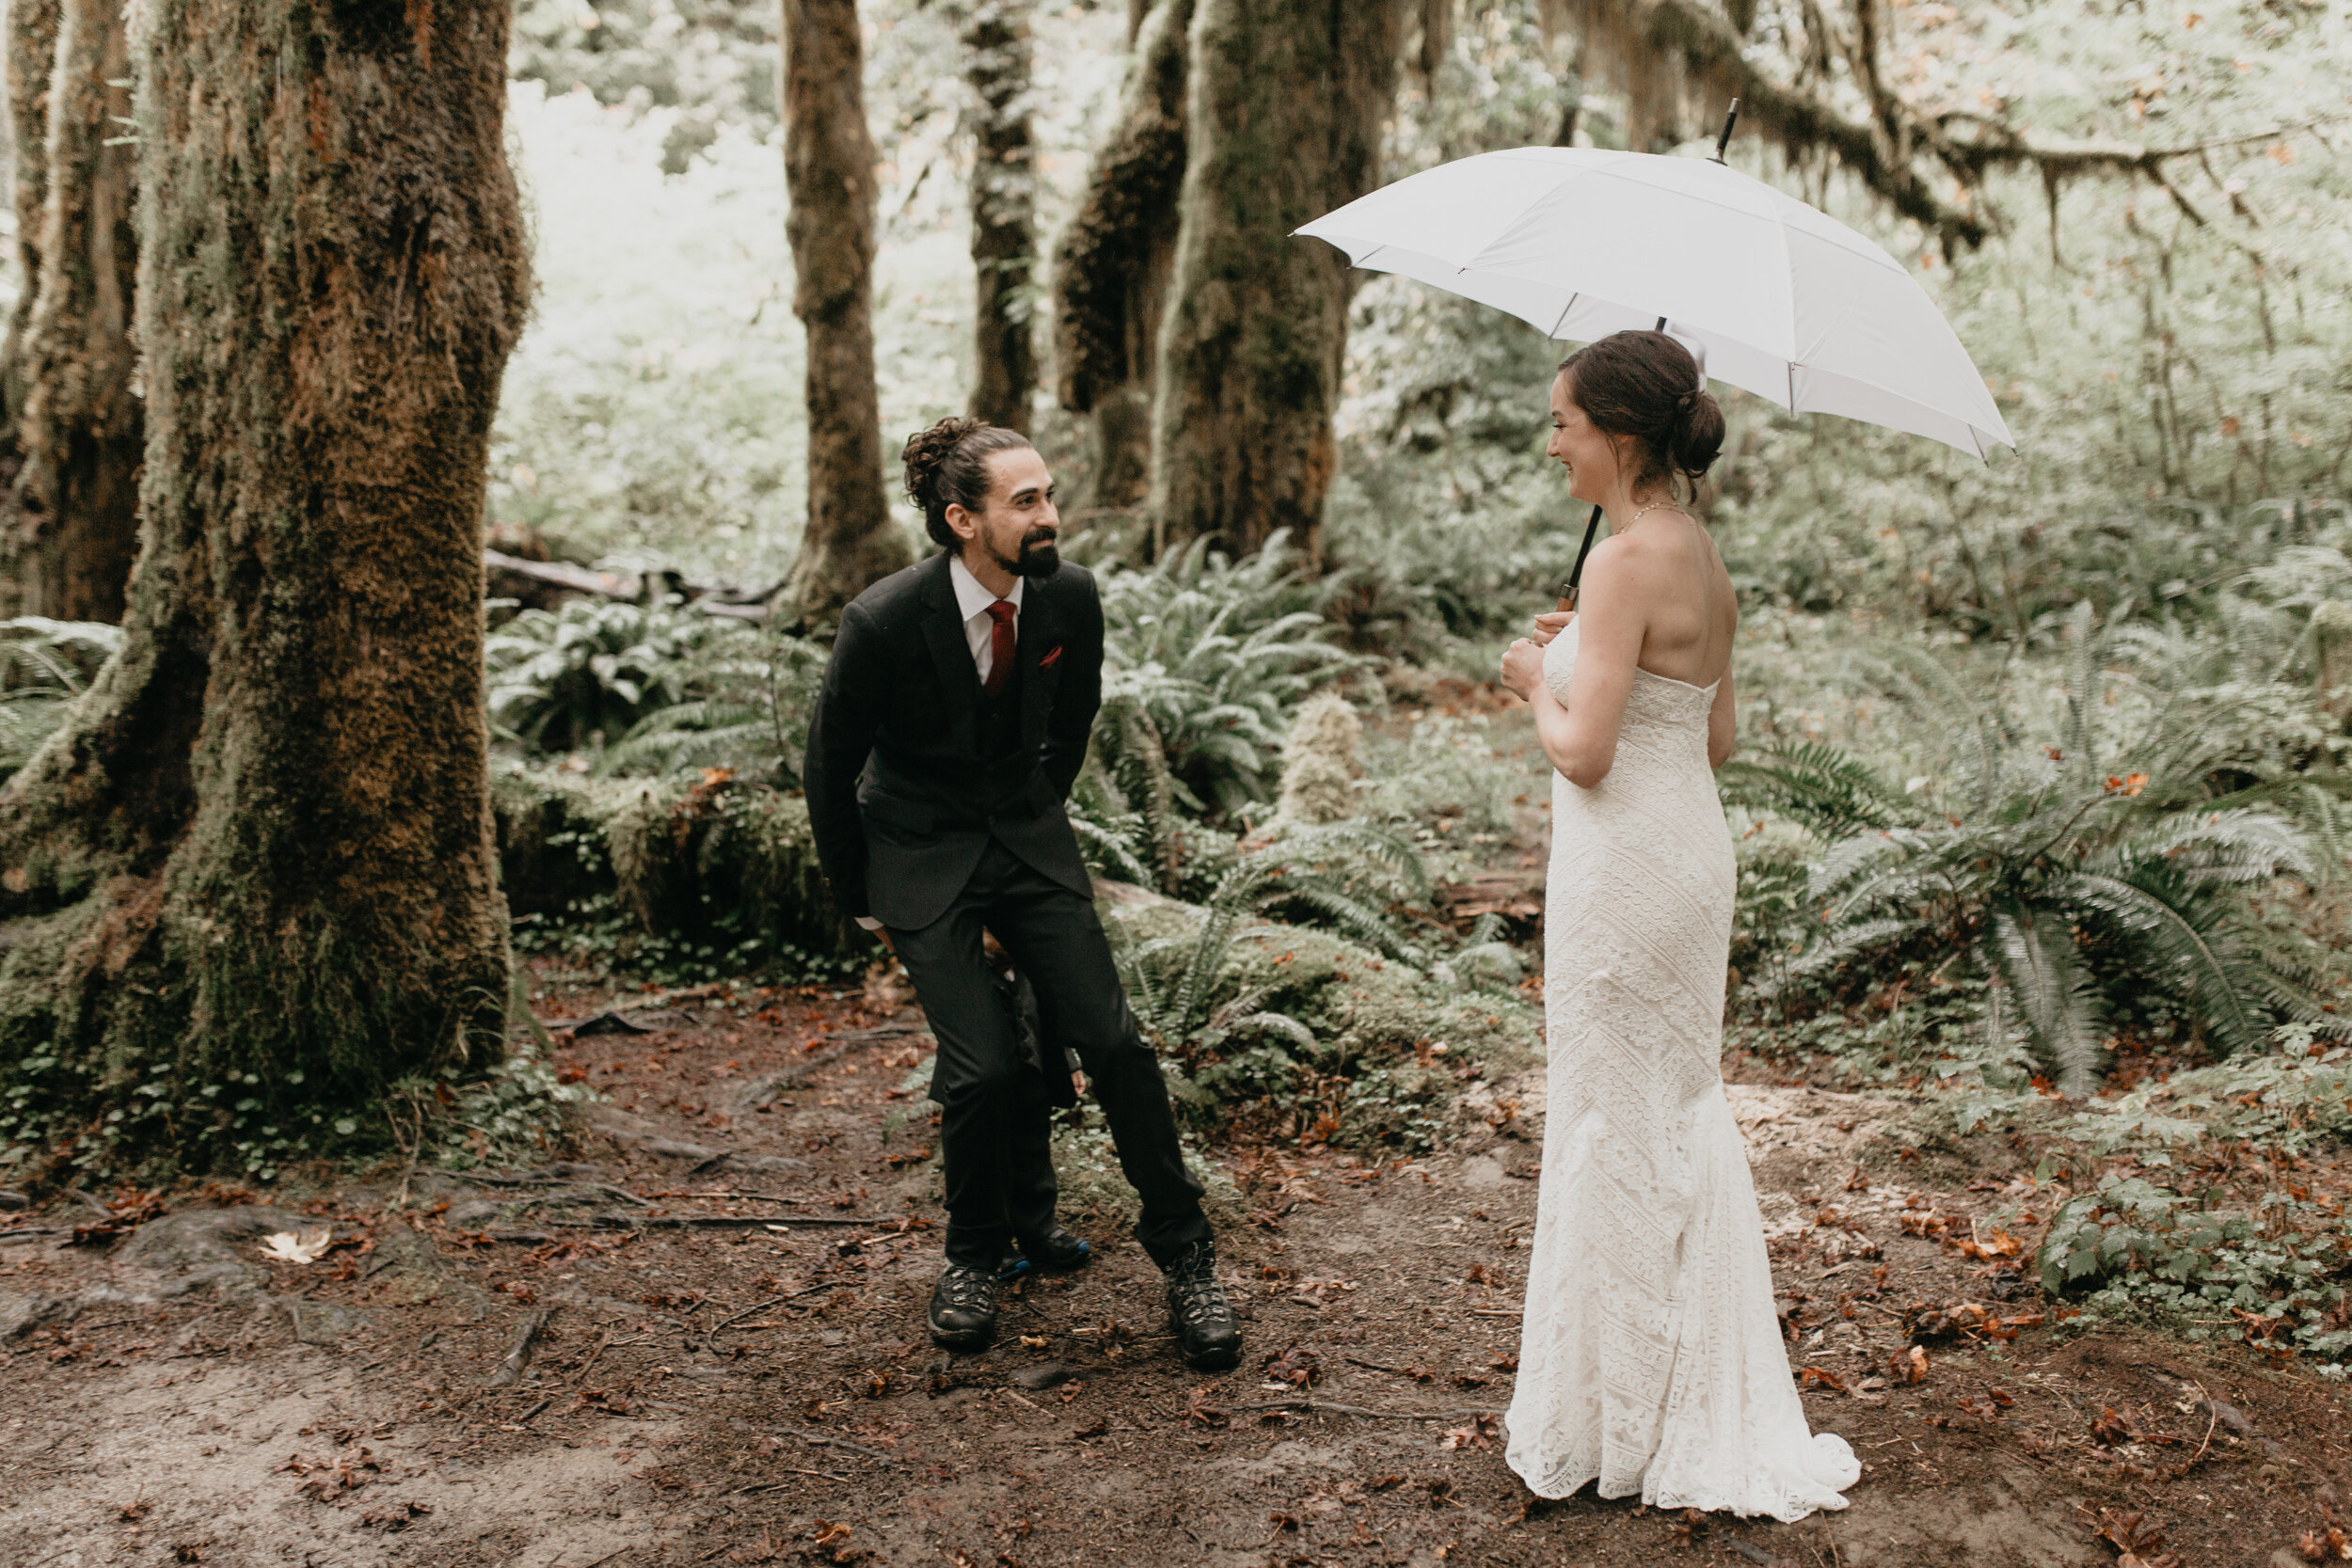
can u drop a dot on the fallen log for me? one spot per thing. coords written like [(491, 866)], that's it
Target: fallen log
[(564, 578)]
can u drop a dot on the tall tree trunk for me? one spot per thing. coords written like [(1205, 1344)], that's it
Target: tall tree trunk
[(32, 60), (254, 875), (68, 519), (1111, 265), (1004, 209), (829, 176), (1283, 118)]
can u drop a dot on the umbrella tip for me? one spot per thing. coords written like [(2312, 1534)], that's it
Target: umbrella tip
[(1731, 118)]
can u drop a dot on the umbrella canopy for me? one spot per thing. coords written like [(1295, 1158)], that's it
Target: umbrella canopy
[(1777, 297)]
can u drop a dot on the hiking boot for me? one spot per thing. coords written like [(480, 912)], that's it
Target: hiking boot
[(1056, 1252), (1197, 1306), (963, 1308)]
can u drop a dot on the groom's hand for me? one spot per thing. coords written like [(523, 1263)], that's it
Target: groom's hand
[(1548, 625)]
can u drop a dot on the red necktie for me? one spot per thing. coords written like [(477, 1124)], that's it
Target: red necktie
[(1000, 645)]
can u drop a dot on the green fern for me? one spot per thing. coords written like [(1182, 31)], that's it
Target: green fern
[(2066, 888), (1819, 785)]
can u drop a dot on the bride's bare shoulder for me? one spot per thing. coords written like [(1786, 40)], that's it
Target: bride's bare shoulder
[(1637, 563)]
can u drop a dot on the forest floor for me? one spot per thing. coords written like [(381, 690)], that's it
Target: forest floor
[(758, 1387)]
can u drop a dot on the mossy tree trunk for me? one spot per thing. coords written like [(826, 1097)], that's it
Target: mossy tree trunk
[(850, 539), (1284, 109), (69, 517), (31, 60), (252, 879), (1004, 209), (1112, 263)]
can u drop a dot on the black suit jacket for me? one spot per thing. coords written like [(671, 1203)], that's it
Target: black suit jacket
[(901, 795)]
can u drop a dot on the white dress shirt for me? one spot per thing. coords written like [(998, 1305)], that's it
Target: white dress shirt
[(979, 625), (974, 601)]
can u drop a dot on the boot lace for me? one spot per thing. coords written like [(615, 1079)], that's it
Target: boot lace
[(967, 1290), (1192, 1288)]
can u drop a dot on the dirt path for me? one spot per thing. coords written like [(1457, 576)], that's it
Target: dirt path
[(761, 1389)]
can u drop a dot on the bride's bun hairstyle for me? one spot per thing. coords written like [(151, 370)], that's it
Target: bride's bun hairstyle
[(947, 466), (1647, 386)]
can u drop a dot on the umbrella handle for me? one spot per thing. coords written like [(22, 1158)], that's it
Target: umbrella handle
[(1569, 591)]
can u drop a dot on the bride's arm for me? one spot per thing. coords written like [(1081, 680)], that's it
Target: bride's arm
[(1581, 737)]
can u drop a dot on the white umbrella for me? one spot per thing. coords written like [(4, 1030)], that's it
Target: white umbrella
[(1771, 294)]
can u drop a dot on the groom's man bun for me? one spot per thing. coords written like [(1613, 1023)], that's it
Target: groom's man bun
[(947, 466), (1647, 386)]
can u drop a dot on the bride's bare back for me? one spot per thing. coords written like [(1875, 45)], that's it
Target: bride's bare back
[(1655, 597), (1666, 571)]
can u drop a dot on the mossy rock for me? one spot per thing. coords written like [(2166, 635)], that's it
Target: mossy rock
[(551, 848), (677, 854), (1391, 1042)]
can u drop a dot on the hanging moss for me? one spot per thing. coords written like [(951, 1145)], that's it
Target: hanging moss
[(1110, 263), (762, 844), (1112, 260)]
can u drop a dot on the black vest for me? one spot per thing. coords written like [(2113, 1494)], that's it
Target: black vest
[(1000, 719)]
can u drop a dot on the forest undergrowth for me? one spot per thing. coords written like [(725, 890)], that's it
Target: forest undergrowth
[(2041, 804)]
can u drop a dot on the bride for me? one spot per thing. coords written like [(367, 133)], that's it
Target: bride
[(1649, 1356)]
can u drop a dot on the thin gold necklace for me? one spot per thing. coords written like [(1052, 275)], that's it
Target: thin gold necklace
[(1653, 507)]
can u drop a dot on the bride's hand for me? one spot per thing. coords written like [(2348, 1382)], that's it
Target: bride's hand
[(1523, 666), (1548, 625)]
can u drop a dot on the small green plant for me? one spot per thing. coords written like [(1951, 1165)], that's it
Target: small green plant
[(2275, 1272), (1345, 873), (1281, 1028)]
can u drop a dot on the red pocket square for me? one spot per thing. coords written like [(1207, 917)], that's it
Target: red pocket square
[(1051, 654)]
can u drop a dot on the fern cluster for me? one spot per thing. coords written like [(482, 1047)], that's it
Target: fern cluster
[(2070, 879), (1214, 654), (654, 689), (1343, 876), (580, 675), (1301, 1000)]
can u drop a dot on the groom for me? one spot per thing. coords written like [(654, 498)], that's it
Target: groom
[(953, 720)]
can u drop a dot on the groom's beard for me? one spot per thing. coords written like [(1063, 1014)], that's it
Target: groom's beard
[(1040, 556)]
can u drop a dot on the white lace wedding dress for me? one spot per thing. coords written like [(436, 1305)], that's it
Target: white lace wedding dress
[(1649, 1355)]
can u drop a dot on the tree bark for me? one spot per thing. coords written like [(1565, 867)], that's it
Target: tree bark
[(1112, 263), (32, 60), (68, 522), (1283, 116), (850, 539), (253, 877), (1004, 210)]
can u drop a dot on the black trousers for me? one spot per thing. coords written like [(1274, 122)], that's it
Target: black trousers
[(995, 1120)]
